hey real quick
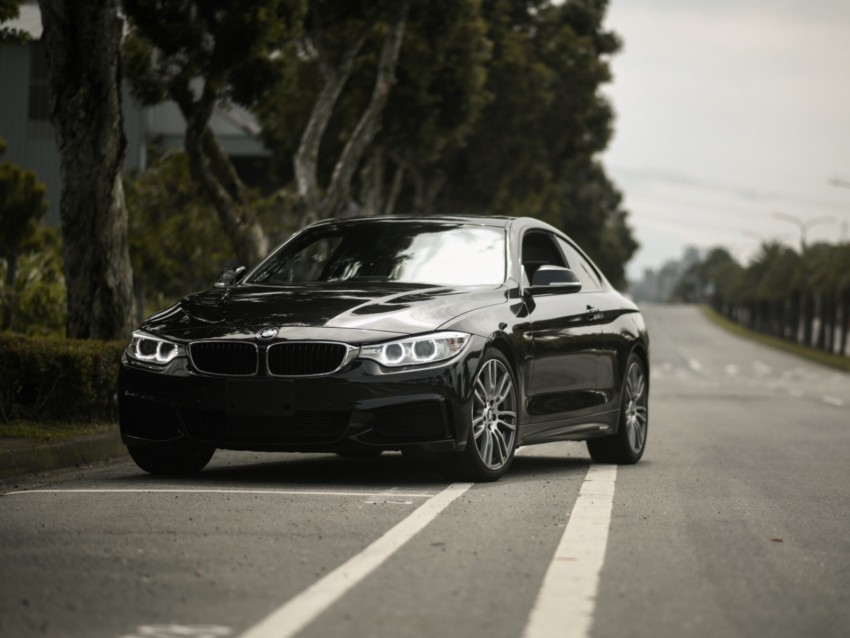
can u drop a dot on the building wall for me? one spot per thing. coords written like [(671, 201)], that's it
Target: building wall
[(31, 142), (25, 125)]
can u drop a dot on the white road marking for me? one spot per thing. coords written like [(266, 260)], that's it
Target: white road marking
[(180, 631), (732, 369), (762, 368), (376, 495), (694, 365), (833, 401), (566, 601), (298, 612)]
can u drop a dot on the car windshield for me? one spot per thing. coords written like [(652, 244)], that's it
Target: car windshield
[(427, 253)]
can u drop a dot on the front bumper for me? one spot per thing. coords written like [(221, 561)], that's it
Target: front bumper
[(360, 406)]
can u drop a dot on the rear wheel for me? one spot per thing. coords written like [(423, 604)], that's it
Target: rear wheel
[(175, 458), (628, 444), (492, 438)]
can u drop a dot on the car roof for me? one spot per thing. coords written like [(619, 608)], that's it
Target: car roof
[(477, 220)]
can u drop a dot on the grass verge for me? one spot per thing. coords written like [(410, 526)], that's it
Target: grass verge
[(812, 354), (52, 431)]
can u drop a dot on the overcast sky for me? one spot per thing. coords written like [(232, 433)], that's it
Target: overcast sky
[(728, 112)]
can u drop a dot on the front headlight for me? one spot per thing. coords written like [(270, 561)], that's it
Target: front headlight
[(414, 351), (150, 349)]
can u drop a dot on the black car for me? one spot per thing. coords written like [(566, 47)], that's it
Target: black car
[(458, 337)]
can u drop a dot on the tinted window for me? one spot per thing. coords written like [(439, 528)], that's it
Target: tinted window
[(538, 249), (441, 254), (581, 267)]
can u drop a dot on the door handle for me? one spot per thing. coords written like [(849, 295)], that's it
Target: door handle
[(593, 313)]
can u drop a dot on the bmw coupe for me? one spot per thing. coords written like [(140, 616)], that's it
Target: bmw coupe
[(461, 338)]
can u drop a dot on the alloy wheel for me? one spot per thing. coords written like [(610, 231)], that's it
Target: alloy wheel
[(636, 417), (494, 418)]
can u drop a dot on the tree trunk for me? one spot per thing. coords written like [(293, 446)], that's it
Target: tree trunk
[(311, 205), (395, 190), (367, 127), (832, 309), (83, 46), (822, 322), (808, 318), (306, 160), (795, 317), (845, 322), (426, 189), (218, 180), (372, 183)]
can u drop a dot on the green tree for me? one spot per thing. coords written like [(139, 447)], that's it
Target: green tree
[(174, 248), (82, 42), (22, 205), (311, 117), (201, 53), (433, 108), (336, 33), (41, 307), (9, 10), (533, 150), (826, 274)]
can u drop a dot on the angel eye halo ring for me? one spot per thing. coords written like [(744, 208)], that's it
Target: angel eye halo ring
[(149, 349), (416, 351)]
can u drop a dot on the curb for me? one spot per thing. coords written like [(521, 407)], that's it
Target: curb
[(29, 456)]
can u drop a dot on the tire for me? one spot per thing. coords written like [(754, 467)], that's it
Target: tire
[(176, 458), (627, 445), (492, 439)]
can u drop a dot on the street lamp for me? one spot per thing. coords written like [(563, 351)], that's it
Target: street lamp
[(803, 225)]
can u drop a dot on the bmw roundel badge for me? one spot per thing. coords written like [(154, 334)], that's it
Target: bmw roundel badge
[(267, 333)]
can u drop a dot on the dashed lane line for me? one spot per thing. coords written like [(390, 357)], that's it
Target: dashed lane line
[(839, 403), (298, 612), (567, 599)]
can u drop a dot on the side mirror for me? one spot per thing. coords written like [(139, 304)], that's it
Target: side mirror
[(554, 280), (230, 276)]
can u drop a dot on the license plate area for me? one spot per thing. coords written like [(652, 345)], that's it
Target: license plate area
[(260, 397)]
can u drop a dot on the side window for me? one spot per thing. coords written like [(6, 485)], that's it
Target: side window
[(590, 281), (539, 249)]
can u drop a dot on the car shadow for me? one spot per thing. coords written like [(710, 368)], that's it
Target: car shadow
[(330, 471), (276, 471)]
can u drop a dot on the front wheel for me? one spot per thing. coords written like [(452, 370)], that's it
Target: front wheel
[(175, 458), (628, 444), (492, 439)]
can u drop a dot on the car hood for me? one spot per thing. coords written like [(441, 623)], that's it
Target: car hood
[(320, 311)]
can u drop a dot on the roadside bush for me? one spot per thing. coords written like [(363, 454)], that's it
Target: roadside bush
[(54, 379)]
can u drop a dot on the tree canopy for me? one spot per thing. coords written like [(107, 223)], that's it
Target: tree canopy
[(799, 296), (495, 109), (200, 53)]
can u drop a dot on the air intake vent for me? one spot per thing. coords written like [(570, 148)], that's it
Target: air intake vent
[(228, 358), (306, 358)]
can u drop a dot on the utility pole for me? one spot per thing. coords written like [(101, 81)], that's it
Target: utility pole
[(803, 225)]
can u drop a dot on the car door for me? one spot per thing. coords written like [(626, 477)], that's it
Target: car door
[(604, 310), (563, 373)]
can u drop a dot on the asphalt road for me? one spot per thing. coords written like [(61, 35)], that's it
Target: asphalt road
[(735, 523)]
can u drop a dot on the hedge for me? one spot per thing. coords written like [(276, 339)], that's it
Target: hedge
[(55, 379)]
